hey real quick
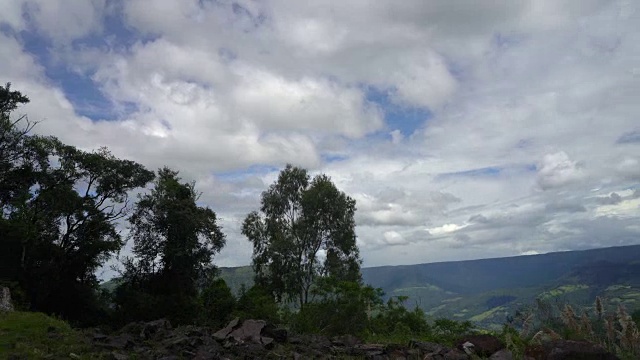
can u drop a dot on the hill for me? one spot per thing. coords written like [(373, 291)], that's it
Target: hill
[(487, 291)]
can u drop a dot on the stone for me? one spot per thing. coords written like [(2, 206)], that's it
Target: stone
[(250, 331), (368, 350), (503, 354), (120, 342), (224, 332), (155, 328), (483, 345), (427, 347), (5, 300), (455, 354), (210, 352), (279, 335), (345, 341), (569, 349), (118, 356)]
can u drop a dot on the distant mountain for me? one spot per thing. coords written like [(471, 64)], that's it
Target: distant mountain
[(487, 291)]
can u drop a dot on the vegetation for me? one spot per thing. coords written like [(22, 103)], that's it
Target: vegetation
[(59, 205), (31, 335), (297, 220), (174, 242), (616, 330)]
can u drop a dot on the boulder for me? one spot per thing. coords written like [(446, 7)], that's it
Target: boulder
[(157, 328), (429, 350), (482, 345), (224, 332), (250, 331), (5, 300), (503, 354), (279, 335), (569, 349)]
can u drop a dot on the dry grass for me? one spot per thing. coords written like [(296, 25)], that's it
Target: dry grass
[(615, 330)]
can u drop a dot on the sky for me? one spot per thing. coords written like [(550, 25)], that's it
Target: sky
[(463, 129)]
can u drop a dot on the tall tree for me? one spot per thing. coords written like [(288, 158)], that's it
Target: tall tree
[(174, 242), (298, 219), (59, 207)]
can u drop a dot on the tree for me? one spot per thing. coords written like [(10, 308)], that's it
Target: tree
[(218, 303), (174, 242), (59, 207), (298, 219)]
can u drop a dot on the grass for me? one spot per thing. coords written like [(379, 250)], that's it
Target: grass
[(614, 330), (28, 335)]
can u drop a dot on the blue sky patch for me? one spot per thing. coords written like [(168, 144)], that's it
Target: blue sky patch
[(80, 90), (407, 119), (629, 137)]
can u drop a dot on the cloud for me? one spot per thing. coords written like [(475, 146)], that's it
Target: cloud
[(461, 131), (556, 170)]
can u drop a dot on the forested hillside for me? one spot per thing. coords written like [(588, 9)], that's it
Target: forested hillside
[(488, 291)]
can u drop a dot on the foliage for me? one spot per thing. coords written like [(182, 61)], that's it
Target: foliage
[(341, 307), (174, 241), (297, 220), (217, 303), (394, 319), (59, 205), (257, 303)]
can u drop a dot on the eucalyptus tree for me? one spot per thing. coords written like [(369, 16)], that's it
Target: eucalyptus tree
[(304, 231)]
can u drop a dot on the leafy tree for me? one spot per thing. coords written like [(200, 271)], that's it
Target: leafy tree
[(59, 207), (174, 242), (300, 217)]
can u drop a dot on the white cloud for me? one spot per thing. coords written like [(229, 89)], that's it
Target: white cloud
[(557, 169)]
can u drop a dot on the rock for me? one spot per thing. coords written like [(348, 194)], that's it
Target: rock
[(503, 354), (155, 328), (5, 300), (250, 331), (267, 342), (118, 356), (427, 347), (279, 335), (208, 352), (224, 332), (345, 341), (483, 345), (468, 348), (569, 349), (120, 342), (368, 350), (455, 354)]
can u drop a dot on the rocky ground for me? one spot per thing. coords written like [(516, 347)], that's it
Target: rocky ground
[(256, 339)]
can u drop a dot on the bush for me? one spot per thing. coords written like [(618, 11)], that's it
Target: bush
[(342, 307), (257, 303), (217, 303)]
